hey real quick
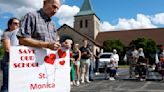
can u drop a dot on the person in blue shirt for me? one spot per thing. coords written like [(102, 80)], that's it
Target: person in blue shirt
[(8, 39)]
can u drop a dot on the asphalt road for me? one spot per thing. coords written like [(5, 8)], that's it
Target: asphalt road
[(122, 84)]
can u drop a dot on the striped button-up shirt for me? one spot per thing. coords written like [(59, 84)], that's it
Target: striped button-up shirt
[(38, 25)]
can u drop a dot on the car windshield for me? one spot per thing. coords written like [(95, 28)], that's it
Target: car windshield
[(105, 56)]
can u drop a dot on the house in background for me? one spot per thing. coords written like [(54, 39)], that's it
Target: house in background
[(86, 26)]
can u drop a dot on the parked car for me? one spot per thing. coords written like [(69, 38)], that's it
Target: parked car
[(104, 60)]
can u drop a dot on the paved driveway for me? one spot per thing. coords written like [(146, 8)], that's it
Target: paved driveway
[(122, 84)]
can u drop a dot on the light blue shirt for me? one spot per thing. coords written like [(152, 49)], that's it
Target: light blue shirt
[(12, 36)]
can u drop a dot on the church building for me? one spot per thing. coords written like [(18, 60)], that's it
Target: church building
[(86, 26)]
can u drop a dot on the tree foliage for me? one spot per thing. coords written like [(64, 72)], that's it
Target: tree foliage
[(109, 45), (1, 52), (148, 45)]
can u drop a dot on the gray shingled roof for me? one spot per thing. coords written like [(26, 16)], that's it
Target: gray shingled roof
[(86, 9)]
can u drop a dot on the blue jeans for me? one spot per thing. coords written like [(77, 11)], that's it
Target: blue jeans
[(5, 70), (112, 72), (97, 65), (91, 70)]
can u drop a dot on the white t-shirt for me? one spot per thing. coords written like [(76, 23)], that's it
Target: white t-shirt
[(116, 58)]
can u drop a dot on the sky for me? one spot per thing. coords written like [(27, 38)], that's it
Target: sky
[(114, 15)]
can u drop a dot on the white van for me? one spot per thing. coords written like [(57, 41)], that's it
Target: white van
[(104, 60)]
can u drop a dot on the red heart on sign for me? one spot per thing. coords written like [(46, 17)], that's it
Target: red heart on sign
[(61, 53), (50, 59), (62, 62), (52, 56)]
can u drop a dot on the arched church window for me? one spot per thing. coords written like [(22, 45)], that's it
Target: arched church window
[(86, 23), (81, 24)]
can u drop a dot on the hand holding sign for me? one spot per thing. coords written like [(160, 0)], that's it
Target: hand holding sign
[(54, 46)]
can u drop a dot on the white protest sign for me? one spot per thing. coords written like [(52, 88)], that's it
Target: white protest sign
[(39, 70)]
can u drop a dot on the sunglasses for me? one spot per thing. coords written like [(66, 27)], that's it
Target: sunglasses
[(15, 23)]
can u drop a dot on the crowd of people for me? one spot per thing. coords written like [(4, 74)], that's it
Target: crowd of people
[(84, 64), (36, 29), (139, 64)]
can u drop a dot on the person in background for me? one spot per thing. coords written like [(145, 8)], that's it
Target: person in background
[(115, 56), (67, 44), (132, 64), (97, 56), (161, 65), (85, 61), (8, 39), (141, 68), (112, 68), (91, 67), (38, 30), (77, 57), (134, 53), (141, 53)]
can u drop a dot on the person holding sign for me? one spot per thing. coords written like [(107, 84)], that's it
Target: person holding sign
[(37, 28), (8, 39)]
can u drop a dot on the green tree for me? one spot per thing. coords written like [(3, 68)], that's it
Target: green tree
[(1, 52), (139, 42), (109, 45)]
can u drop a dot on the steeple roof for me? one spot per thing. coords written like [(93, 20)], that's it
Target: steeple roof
[(86, 8)]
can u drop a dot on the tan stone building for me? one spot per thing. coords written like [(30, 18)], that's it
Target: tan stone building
[(86, 25)]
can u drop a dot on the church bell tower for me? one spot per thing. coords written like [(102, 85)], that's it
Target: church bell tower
[(86, 20)]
